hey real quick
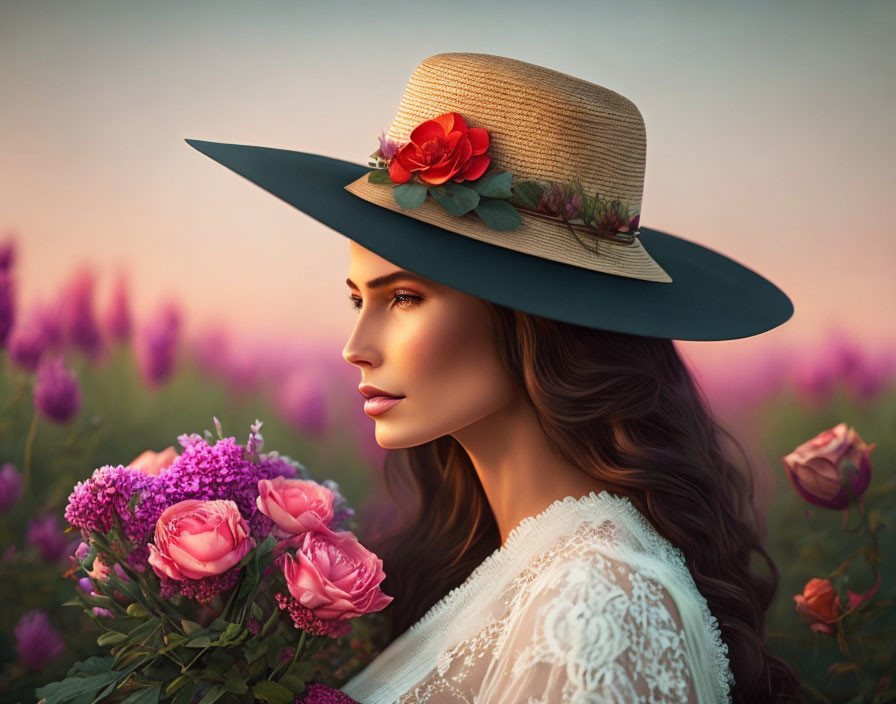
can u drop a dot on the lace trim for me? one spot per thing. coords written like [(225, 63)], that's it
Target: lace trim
[(589, 507)]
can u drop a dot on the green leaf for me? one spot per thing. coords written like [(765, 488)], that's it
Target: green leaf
[(527, 194), (199, 642), (409, 195), (256, 612), (234, 683), (273, 692), (185, 695), (213, 694), (111, 638), (498, 214), (267, 546), (456, 199), (190, 626), (138, 611), (147, 695), (296, 685), (95, 665), (380, 176), (494, 185), (72, 687)]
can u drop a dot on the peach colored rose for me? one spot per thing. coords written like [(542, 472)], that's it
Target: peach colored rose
[(295, 505), (199, 539), (819, 605), (150, 462), (442, 149), (828, 468), (334, 575)]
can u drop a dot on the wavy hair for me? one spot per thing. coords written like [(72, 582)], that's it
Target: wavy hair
[(625, 410)]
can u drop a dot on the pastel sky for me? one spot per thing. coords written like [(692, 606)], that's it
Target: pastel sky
[(769, 131)]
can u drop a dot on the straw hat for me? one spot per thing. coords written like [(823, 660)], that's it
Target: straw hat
[(521, 185)]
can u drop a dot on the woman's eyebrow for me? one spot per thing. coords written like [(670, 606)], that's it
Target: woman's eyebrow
[(388, 279)]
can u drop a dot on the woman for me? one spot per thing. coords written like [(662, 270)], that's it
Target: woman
[(576, 530)]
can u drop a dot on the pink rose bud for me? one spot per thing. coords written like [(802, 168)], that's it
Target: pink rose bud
[(335, 576), (196, 539), (150, 462), (295, 505), (828, 468)]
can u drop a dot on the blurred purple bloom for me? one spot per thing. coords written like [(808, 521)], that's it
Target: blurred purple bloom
[(45, 535), (10, 487), (81, 328), (57, 394), (7, 305), (86, 584), (117, 318), (26, 345), (157, 345), (37, 641), (302, 401), (50, 319), (8, 253)]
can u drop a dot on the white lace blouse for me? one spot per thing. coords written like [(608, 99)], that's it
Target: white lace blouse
[(584, 602)]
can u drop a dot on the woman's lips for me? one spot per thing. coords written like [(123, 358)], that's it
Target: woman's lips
[(375, 405)]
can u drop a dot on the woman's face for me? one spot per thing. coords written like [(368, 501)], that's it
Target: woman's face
[(427, 342)]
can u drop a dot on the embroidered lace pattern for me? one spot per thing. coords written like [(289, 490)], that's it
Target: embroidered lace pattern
[(584, 602)]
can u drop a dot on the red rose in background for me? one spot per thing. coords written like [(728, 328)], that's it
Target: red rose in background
[(441, 149), (819, 605)]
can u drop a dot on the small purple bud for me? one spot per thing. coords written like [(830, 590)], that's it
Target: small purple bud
[(82, 551), (388, 148), (10, 487), (85, 584), (100, 611), (37, 642), (57, 394)]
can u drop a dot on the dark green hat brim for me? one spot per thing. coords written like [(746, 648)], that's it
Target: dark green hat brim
[(711, 296)]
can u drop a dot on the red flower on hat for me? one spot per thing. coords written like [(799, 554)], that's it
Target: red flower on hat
[(442, 149)]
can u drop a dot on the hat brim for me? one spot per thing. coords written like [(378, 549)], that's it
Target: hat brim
[(711, 296)]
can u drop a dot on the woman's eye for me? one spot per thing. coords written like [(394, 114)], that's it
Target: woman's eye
[(402, 300)]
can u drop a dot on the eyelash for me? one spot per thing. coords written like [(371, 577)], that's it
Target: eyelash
[(406, 300)]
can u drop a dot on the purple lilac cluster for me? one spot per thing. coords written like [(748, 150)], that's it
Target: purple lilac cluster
[(202, 590), (305, 620), (94, 502), (317, 693)]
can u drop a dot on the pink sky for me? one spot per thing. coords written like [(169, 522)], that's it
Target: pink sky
[(769, 138)]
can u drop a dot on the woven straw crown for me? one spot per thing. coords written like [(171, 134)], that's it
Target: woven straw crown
[(543, 125)]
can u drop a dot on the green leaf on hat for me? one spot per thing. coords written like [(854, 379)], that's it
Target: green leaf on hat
[(495, 184), (380, 176), (527, 194), (498, 214), (409, 195), (456, 199)]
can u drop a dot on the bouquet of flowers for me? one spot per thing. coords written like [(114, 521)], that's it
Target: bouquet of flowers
[(215, 573)]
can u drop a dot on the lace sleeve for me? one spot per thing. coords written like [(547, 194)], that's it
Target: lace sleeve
[(591, 630)]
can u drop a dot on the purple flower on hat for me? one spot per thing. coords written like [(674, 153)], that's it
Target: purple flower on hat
[(81, 327), (26, 345), (117, 319), (57, 394), (37, 642), (7, 305), (10, 487), (158, 345), (388, 148), (45, 535)]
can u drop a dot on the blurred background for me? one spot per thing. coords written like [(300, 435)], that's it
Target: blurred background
[(145, 289)]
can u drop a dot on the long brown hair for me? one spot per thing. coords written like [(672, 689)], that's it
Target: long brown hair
[(626, 410)]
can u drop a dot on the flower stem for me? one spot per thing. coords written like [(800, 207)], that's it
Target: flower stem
[(26, 460)]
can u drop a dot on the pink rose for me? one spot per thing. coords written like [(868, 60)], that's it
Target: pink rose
[(335, 576), (150, 462), (830, 466), (295, 505), (199, 539)]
